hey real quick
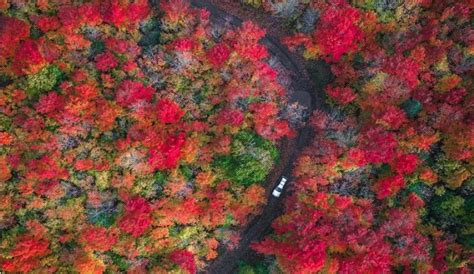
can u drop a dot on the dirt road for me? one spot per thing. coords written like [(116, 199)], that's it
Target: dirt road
[(306, 93)]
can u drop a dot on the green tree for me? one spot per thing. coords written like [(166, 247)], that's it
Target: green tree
[(250, 160)]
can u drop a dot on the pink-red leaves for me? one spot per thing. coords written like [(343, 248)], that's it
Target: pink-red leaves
[(168, 111), (166, 155), (337, 32), (389, 186), (28, 58), (218, 54), (106, 61), (26, 254), (137, 217), (342, 95), (131, 92), (184, 259)]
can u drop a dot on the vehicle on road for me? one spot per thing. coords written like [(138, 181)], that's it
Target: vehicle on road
[(279, 189)]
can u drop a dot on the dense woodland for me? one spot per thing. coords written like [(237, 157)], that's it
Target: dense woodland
[(137, 138), (387, 183)]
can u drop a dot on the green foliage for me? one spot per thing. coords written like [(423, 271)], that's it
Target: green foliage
[(466, 236), (4, 80), (35, 33), (384, 8), (186, 171), (447, 210), (43, 81), (259, 268), (150, 187), (5, 122), (421, 189), (118, 260), (159, 182), (151, 33), (412, 107), (229, 220), (446, 167), (97, 47), (189, 235), (253, 3), (102, 217), (455, 214), (250, 160)]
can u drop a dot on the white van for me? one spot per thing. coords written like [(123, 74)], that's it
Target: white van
[(277, 191)]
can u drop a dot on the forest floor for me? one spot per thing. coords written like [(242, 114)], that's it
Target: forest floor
[(305, 90)]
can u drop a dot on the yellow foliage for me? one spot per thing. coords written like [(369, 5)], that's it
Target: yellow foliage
[(447, 83), (102, 180), (456, 180), (89, 265), (205, 178)]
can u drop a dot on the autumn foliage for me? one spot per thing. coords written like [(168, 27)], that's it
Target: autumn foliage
[(392, 155), (113, 115)]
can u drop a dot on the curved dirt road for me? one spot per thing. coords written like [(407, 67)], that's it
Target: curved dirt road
[(305, 93)]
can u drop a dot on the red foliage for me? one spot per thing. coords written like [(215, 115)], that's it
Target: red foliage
[(12, 32), (375, 258), (120, 13), (121, 46), (183, 44), (343, 236), (218, 54), (392, 117), (46, 188), (266, 123), (73, 17), (318, 235), (132, 92), (106, 61), (28, 58), (26, 254), (378, 145), (389, 186), (405, 164), (166, 155), (403, 67), (337, 32), (97, 239), (357, 157), (137, 218), (104, 122), (174, 9), (48, 23), (343, 95), (168, 111), (231, 117), (50, 103), (137, 11), (409, 80), (89, 13), (114, 13), (135, 224), (247, 46), (137, 205), (184, 259), (85, 164), (45, 168), (87, 91)]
